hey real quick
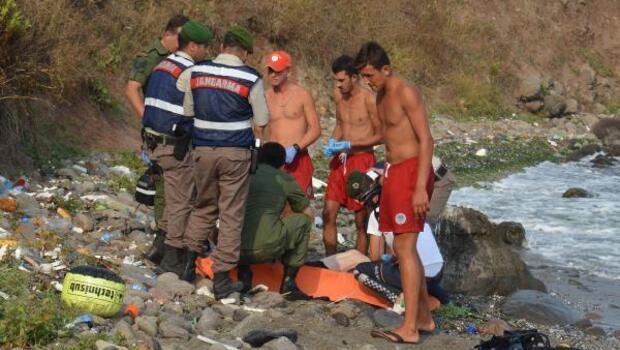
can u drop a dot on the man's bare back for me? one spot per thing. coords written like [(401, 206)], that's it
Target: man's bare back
[(357, 120), (292, 115)]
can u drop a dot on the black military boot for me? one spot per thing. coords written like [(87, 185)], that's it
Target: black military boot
[(189, 270), (289, 287), (244, 274), (223, 286), (173, 260), (156, 253)]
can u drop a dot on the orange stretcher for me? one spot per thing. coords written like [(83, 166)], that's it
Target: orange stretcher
[(315, 281)]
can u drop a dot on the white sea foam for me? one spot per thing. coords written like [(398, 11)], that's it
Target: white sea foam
[(573, 232)]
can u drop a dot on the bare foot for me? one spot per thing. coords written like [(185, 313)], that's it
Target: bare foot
[(427, 326), (407, 335)]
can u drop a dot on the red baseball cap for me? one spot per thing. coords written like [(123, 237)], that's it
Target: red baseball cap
[(278, 61)]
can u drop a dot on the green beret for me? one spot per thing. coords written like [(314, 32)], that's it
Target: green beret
[(196, 32), (358, 183), (244, 37)]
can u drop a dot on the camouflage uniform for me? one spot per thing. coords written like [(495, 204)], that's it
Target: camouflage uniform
[(141, 69)]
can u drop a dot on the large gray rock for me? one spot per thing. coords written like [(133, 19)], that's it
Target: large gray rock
[(539, 308), (478, 260), (123, 329), (586, 150), (147, 324), (608, 131), (168, 329), (267, 300)]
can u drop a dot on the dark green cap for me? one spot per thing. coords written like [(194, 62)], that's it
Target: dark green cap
[(244, 37), (358, 183), (196, 32)]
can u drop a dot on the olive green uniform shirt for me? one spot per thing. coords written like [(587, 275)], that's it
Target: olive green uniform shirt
[(270, 190), (144, 63)]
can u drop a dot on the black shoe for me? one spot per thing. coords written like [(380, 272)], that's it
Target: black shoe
[(223, 286), (189, 270), (173, 260), (244, 274), (289, 287), (156, 253)]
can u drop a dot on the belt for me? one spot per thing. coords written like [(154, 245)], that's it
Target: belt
[(162, 139), (441, 172)]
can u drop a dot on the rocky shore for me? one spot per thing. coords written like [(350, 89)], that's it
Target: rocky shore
[(83, 213)]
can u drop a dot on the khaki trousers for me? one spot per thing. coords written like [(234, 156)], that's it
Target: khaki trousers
[(222, 182), (178, 179)]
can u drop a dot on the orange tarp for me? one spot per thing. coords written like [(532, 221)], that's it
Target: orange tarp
[(314, 281)]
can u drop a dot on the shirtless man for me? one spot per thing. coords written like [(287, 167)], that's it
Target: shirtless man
[(358, 126), (294, 121), (408, 182)]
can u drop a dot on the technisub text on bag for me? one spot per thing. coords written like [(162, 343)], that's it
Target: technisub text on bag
[(89, 289), (228, 101), (167, 134)]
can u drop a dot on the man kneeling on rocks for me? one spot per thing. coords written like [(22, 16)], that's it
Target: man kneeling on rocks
[(266, 235)]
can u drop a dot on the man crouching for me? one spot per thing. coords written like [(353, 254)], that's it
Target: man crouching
[(266, 235)]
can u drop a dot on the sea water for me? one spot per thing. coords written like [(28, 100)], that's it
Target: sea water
[(580, 233)]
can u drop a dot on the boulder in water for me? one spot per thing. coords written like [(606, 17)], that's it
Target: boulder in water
[(586, 150), (603, 161), (539, 307), (576, 192), (478, 260)]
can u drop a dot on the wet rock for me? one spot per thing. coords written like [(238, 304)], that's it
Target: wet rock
[(555, 105), (168, 329), (603, 161), (387, 319), (512, 233), (104, 345), (481, 262), (209, 320), (123, 329), (595, 332), (584, 151), (147, 324), (583, 323), (576, 192), (539, 307), (267, 300), (613, 150), (495, 327), (282, 343)]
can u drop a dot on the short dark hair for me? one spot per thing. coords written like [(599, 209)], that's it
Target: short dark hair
[(272, 153), (372, 54), (176, 22), (183, 42), (231, 41), (344, 63)]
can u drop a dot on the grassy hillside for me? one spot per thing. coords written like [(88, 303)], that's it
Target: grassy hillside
[(63, 63)]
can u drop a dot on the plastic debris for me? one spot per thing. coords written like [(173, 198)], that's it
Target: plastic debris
[(64, 213), (57, 285), (121, 170), (318, 184), (132, 310), (4, 296), (481, 152), (137, 286), (318, 222), (471, 329), (86, 319), (80, 168), (205, 291), (4, 233), (8, 204)]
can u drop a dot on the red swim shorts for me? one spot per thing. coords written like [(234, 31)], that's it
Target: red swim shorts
[(337, 180), (396, 214), (302, 170)]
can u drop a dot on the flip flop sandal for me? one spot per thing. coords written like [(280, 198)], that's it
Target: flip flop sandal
[(390, 336)]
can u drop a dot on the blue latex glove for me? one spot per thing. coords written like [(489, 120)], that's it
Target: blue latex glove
[(342, 146), (291, 152), (328, 148)]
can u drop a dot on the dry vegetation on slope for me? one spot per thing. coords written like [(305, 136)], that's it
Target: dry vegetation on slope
[(63, 62)]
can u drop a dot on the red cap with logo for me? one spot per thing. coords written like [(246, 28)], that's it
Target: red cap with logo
[(278, 61)]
